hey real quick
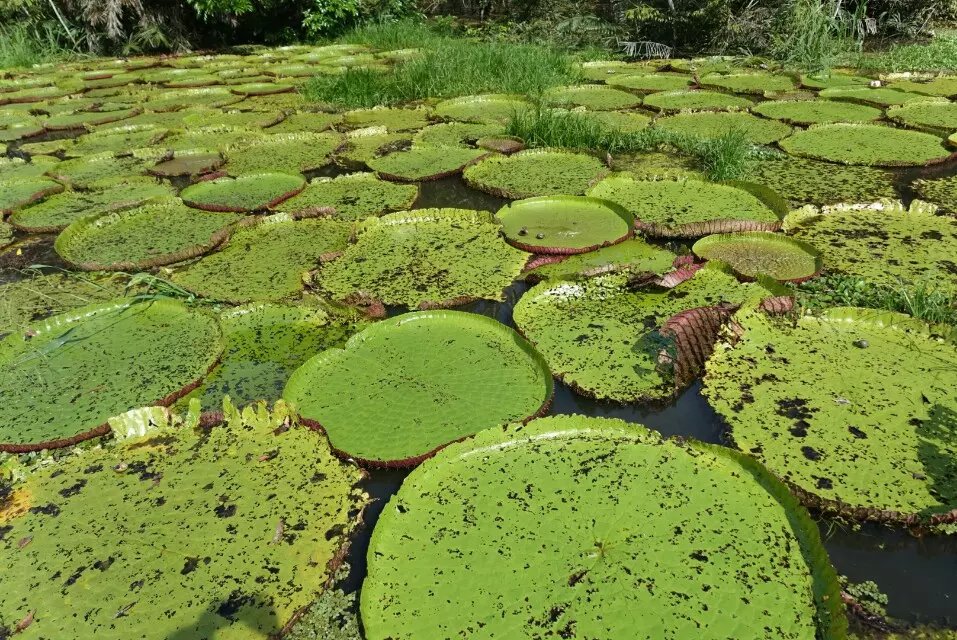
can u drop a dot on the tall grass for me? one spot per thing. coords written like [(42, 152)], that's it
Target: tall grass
[(24, 46), (918, 300), (389, 35), (819, 34), (940, 54), (449, 68)]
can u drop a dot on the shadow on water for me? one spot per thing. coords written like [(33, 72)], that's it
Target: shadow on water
[(246, 610), (940, 465)]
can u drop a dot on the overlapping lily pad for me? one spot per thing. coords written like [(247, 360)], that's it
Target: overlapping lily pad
[(693, 208), (564, 224), (650, 82), (536, 172), (481, 108), (86, 119), (861, 419), (354, 196), (65, 376), (261, 88), (21, 131), (6, 234), (422, 163), (943, 86), (239, 119), (20, 192), (625, 121), (755, 83), (867, 144), (656, 165), (941, 191), (456, 134), (833, 80), (761, 253), (382, 403), (817, 182), (880, 96), (430, 256), (220, 138), (265, 259), (150, 235), (226, 527), (393, 119), (696, 101), (707, 124), (18, 168), (289, 152), (600, 336), (805, 112), (188, 163), (83, 172), (308, 121), (213, 97), (248, 192), (635, 256), (118, 140), (936, 117), (362, 145), (592, 96), (647, 538)]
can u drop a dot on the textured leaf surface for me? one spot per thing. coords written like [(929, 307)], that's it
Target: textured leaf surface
[(592, 96), (284, 152), (380, 401), (564, 224), (219, 534), (83, 172), (15, 194), (881, 96), (424, 163), (806, 112), (817, 182), (712, 125), (760, 253), (756, 83), (536, 172), (650, 82), (391, 119), (631, 255), (866, 144), (940, 191), (354, 196), (481, 108), (855, 406), (595, 528), (456, 134), (248, 192), (696, 101), (936, 116)]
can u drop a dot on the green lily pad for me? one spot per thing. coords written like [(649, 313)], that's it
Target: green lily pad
[(564, 224), (536, 172), (20, 192), (884, 243), (656, 165), (265, 344), (261, 88), (492, 107), (936, 117), (633, 255), (696, 101), (692, 208), (65, 376), (6, 234), (188, 79), (34, 94), (192, 162), (86, 119), (761, 253), (833, 80), (752, 83), (17, 168), (867, 144), (265, 259), (82, 172), (363, 145), (220, 138), (880, 96), (354, 196), (598, 70), (707, 124), (650, 82), (382, 404), (940, 191), (59, 211), (420, 164), (630, 536), (815, 182), (117, 140), (239, 119), (284, 152), (21, 131), (304, 122), (212, 97), (248, 192), (456, 134), (805, 112), (624, 121), (393, 119), (179, 521), (601, 337), (862, 417), (151, 235), (592, 96), (426, 257), (944, 86)]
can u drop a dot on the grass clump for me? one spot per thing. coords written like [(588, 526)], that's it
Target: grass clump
[(940, 54), (819, 34), (23, 46), (449, 68), (389, 35), (919, 300)]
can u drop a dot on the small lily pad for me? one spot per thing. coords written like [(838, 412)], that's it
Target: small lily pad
[(867, 144), (633, 255), (564, 224), (382, 404), (249, 192), (354, 196), (700, 100), (805, 112), (592, 96), (494, 108), (536, 172), (707, 124), (761, 253), (18, 193), (423, 163)]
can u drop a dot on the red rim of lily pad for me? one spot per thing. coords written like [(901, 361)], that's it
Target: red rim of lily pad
[(40, 193), (610, 209), (187, 164), (261, 89), (222, 208)]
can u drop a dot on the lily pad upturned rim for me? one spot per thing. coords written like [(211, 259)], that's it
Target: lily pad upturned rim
[(479, 155), (387, 326), (707, 242), (220, 208), (945, 157), (104, 429), (508, 194), (45, 187), (596, 203)]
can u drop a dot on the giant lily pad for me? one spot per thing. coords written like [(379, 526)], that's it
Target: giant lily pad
[(855, 408), (650, 82), (150, 235), (633, 255), (867, 144), (354, 196), (424, 163), (117, 140), (817, 182), (18, 168), (21, 131), (706, 124), (261, 88), (430, 256), (756, 83), (248, 192), (805, 112), (940, 191), (592, 96), (226, 527), (943, 86), (482, 108), (221, 138), (302, 122), (624, 121), (265, 259), (456, 134), (881, 96), (884, 243), (65, 376), (833, 80), (536, 172), (289, 152), (86, 119), (188, 163), (564, 224), (692, 208), (238, 119), (190, 98), (362, 145), (17, 193), (382, 403), (83, 172), (582, 527), (601, 337), (762, 253), (390, 118), (695, 101), (936, 117)]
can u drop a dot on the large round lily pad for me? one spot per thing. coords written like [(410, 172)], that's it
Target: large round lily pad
[(212, 97), (284, 152), (456, 134), (884, 243), (392, 119), (564, 224), (82, 172), (650, 82), (223, 534), (248, 192), (64, 376), (382, 403), (86, 119), (481, 108), (624, 121), (427, 257), (867, 144), (20, 192), (536, 172), (761, 253), (188, 163), (880, 96), (582, 527), (940, 191), (601, 337), (261, 88), (214, 117), (696, 101), (707, 124), (150, 235), (855, 408), (818, 182), (692, 208), (936, 117), (805, 112), (118, 140), (424, 163), (362, 145), (308, 121), (756, 83), (633, 255), (592, 96), (265, 259), (17, 168), (354, 196)]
